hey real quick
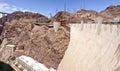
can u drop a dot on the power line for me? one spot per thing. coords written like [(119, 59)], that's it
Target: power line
[(84, 4), (65, 6)]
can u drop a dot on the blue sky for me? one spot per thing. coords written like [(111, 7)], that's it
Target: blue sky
[(46, 7)]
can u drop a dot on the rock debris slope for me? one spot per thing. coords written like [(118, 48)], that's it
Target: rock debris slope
[(38, 42)]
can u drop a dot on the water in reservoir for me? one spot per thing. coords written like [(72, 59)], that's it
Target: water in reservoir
[(5, 67)]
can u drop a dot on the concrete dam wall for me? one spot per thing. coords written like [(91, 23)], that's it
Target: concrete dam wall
[(92, 47)]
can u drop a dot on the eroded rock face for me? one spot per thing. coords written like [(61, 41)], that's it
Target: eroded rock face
[(35, 17), (88, 15), (80, 15), (61, 15), (27, 15), (38, 42), (111, 12)]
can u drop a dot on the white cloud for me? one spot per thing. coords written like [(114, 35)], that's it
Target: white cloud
[(14, 8), (4, 7), (21, 9), (0, 15), (7, 8)]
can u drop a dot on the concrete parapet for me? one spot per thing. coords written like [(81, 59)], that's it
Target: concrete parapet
[(111, 29)]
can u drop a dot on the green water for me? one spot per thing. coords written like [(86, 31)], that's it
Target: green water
[(5, 67)]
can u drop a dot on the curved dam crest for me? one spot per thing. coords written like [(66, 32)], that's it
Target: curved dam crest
[(92, 47)]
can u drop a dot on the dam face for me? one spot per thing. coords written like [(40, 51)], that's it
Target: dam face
[(92, 47)]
